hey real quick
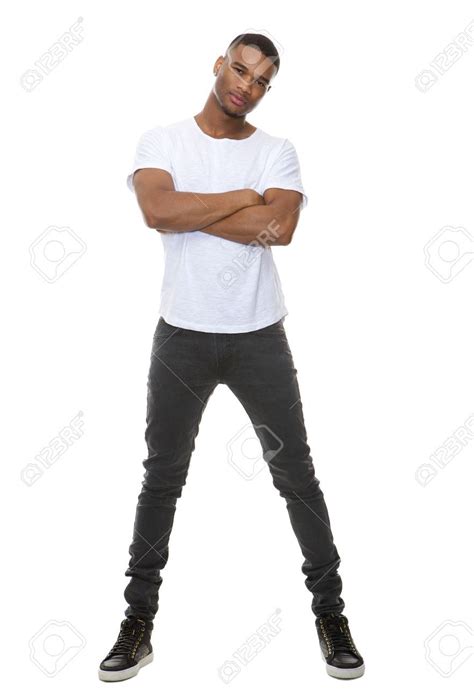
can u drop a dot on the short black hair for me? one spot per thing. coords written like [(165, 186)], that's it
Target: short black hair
[(266, 46)]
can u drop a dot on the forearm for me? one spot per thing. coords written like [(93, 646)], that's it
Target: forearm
[(178, 212), (265, 224)]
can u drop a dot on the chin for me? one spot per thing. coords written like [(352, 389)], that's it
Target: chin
[(233, 114)]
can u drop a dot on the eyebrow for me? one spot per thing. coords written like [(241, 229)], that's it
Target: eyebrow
[(245, 68)]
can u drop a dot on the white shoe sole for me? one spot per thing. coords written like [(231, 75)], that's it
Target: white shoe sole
[(105, 675), (339, 673)]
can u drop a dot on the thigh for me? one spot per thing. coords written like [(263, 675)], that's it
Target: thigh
[(264, 379), (181, 379)]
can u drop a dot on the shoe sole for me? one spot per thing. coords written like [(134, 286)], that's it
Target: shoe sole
[(107, 675), (338, 673)]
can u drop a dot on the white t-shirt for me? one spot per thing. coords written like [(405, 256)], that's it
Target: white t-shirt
[(209, 283)]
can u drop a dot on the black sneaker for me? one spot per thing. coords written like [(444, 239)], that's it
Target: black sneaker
[(343, 660), (131, 651)]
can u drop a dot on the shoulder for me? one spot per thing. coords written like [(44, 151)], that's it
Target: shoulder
[(165, 131), (154, 136), (279, 146), (273, 142), (176, 129), (167, 135)]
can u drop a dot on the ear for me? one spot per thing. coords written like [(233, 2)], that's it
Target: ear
[(217, 64)]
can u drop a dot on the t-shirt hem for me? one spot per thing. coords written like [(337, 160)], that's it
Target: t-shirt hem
[(227, 329)]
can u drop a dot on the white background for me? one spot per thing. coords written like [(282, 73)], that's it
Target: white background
[(384, 349)]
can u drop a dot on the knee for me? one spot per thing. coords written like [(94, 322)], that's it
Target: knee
[(164, 477), (296, 481)]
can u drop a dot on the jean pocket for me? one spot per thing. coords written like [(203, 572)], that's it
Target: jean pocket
[(164, 330), (276, 329)]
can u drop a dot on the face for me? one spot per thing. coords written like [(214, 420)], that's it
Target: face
[(246, 73)]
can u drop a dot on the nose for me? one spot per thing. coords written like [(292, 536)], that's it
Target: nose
[(245, 87)]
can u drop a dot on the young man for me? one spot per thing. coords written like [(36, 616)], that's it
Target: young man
[(222, 192)]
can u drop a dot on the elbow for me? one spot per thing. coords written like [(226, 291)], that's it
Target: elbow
[(288, 228), (152, 211), (152, 220), (287, 236), (149, 216)]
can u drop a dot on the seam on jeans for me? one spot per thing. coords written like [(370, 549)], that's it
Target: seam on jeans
[(230, 355), (217, 358)]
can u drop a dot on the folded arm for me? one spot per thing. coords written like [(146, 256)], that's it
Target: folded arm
[(271, 223), (240, 215), (168, 210)]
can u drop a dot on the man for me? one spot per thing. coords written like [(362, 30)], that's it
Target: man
[(222, 192)]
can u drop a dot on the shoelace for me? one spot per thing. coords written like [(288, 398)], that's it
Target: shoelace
[(337, 633), (127, 637)]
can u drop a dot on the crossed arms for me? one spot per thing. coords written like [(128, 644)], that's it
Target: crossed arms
[(242, 215)]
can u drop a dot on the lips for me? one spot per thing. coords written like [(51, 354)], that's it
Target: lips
[(239, 101)]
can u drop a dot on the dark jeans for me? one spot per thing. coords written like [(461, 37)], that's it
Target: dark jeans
[(257, 366)]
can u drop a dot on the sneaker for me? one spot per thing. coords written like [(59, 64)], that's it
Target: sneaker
[(131, 651), (343, 660)]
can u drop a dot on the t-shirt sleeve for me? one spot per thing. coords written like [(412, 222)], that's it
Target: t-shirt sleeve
[(285, 172), (151, 151)]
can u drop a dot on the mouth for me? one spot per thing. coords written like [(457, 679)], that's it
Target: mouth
[(238, 101)]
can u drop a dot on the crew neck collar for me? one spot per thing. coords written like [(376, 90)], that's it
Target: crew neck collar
[(234, 140)]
